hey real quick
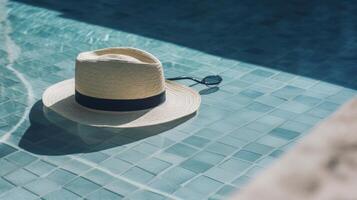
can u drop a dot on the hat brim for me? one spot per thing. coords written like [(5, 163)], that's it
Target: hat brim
[(180, 101)]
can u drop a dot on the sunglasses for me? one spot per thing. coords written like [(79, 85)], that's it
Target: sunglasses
[(208, 80)]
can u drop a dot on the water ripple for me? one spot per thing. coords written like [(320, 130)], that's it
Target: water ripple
[(13, 52)]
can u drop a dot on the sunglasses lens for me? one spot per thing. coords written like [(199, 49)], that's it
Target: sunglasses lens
[(212, 80)]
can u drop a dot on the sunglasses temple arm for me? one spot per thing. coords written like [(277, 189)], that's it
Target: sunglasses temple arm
[(184, 77)]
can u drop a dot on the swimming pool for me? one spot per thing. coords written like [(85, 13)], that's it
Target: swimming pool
[(255, 115)]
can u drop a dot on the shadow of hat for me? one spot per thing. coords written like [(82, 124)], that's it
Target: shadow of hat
[(52, 134)]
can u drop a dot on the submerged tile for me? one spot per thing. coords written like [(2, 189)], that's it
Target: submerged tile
[(61, 194), (81, 186), (42, 186), (19, 193), (6, 150), (104, 194), (20, 177), (121, 187), (144, 194)]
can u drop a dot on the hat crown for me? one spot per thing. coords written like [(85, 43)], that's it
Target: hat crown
[(119, 73)]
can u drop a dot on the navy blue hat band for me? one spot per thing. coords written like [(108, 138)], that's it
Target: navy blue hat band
[(119, 104)]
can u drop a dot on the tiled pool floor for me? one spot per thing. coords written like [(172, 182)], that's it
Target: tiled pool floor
[(242, 127)]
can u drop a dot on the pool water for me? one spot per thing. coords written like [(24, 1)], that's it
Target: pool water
[(255, 115)]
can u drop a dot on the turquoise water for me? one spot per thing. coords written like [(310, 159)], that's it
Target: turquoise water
[(242, 127)]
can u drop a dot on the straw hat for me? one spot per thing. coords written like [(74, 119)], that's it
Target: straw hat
[(120, 88)]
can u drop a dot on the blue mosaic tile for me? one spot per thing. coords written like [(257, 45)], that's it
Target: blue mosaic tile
[(284, 133), (21, 158), (261, 72), (246, 134), (294, 107), (131, 156), (282, 76), (81, 186), (6, 150), (139, 175), (220, 148), (121, 187), (258, 148), (146, 148), (61, 176), (5, 186), (181, 150), (270, 100), (95, 157), (272, 141), (232, 141), (116, 165), (326, 88), (196, 165), (160, 142), (20, 177), (42, 187), (262, 88), (251, 93), (220, 174), (283, 114), (247, 155), (204, 185), (6, 167), (208, 157), (295, 126), (242, 117), (164, 185), (154, 165), (19, 193), (226, 190), (342, 96), (178, 175), (98, 177), (258, 126), (266, 161), (288, 92), (104, 194), (270, 120), (307, 100), (208, 133), (303, 82), (57, 160), (241, 181), (253, 171), (307, 119), (252, 78), (61, 194), (235, 165), (143, 194), (196, 141), (328, 106), (75, 166), (241, 99), (189, 194), (40, 167), (276, 153), (316, 112), (259, 107)]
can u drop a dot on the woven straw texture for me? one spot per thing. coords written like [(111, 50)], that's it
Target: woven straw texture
[(119, 73)]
